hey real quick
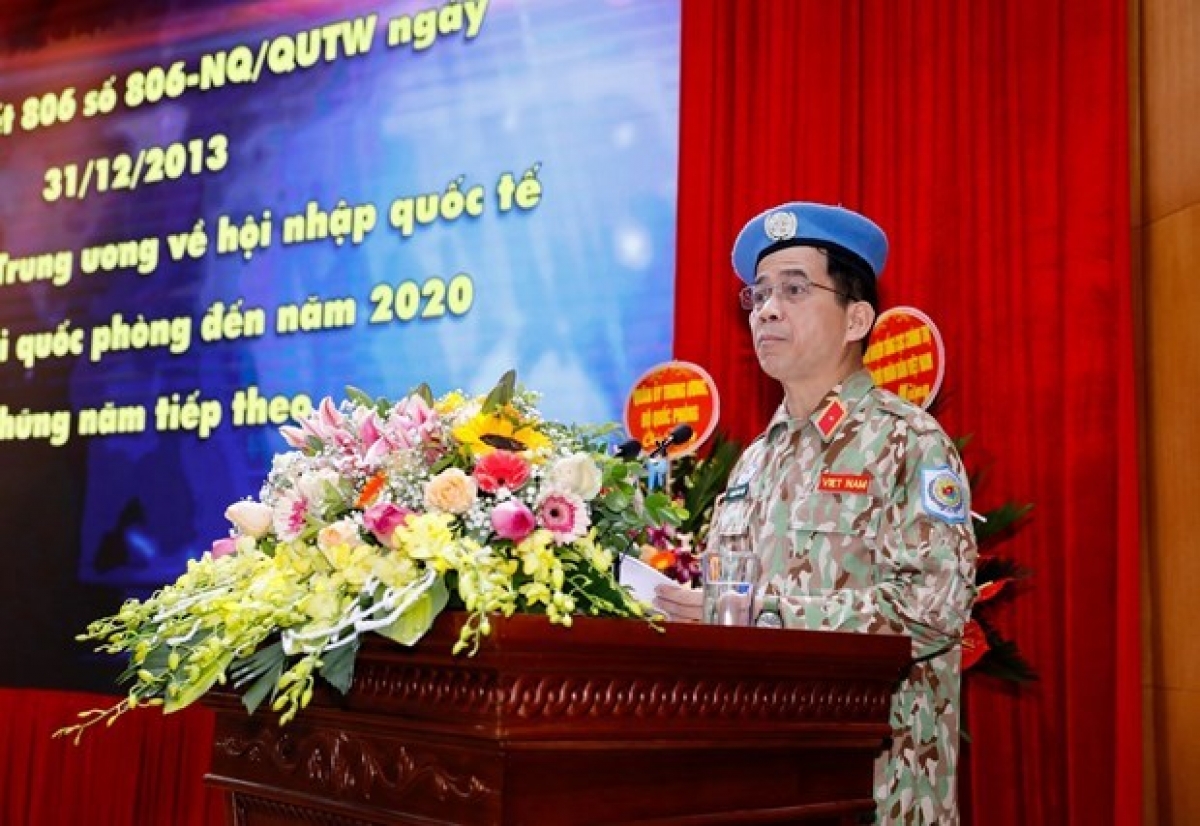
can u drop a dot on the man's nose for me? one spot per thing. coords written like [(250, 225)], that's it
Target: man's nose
[(770, 307)]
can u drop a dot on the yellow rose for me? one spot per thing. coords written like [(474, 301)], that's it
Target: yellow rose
[(451, 491)]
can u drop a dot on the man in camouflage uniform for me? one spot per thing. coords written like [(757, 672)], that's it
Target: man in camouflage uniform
[(855, 500)]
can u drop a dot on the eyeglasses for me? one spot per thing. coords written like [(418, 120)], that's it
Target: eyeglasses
[(793, 290)]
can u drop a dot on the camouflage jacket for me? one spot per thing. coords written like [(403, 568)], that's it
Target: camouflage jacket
[(860, 514)]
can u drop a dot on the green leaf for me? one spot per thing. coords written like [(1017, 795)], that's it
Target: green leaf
[(424, 392), (359, 397), (337, 666), (1004, 661), (502, 393), (193, 690), (661, 510), (616, 472), (1000, 522), (257, 664), (156, 660), (155, 663), (700, 481), (416, 619), (441, 464), (616, 499), (998, 567), (264, 685)]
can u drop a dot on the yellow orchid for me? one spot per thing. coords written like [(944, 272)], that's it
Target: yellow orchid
[(535, 593)]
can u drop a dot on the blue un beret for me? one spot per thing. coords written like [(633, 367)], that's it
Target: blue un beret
[(802, 223)]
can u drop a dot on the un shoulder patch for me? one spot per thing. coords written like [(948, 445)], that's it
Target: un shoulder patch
[(942, 494)]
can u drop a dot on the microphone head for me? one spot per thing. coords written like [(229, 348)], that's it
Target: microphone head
[(628, 450), (681, 434)]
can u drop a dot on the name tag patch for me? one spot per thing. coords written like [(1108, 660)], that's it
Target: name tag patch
[(844, 482)]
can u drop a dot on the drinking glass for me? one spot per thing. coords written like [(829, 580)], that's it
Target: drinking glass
[(730, 572)]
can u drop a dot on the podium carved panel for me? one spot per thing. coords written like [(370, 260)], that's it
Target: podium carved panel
[(609, 721)]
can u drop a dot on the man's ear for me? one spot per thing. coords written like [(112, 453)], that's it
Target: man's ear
[(859, 317)]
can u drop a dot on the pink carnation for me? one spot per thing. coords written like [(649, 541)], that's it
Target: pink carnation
[(501, 469), (512, 519)]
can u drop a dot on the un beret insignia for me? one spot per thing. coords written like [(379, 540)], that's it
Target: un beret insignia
[(780, 226)]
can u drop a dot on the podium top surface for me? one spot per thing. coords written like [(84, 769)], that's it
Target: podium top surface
[(626, 644)]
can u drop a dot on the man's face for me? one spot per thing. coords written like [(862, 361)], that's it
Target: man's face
[(798, 333)]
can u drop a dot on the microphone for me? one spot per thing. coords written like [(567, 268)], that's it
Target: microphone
[(676, 437), (628, 450)]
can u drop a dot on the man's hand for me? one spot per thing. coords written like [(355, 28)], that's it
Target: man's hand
[(679, 603)]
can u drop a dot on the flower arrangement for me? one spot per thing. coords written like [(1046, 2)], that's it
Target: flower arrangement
[(380, 517)]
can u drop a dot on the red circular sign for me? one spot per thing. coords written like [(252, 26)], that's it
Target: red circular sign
[(906, 355), (668, 395)]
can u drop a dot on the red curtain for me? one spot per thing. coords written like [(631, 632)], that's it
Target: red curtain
[(146, 770), (991, 141)]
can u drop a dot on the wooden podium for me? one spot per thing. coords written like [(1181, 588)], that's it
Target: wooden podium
[(608, 721)]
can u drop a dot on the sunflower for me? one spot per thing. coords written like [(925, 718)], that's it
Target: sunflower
[(499, 430)]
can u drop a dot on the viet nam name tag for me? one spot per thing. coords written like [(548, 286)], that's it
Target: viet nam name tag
[(844, 482)]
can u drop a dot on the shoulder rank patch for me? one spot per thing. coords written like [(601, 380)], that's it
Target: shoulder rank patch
[(829, 418), (942, 494)]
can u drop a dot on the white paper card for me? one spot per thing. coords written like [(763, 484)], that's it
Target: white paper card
[(641, 578)]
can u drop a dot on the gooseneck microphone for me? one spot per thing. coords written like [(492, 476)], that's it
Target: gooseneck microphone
[(676, 437)]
